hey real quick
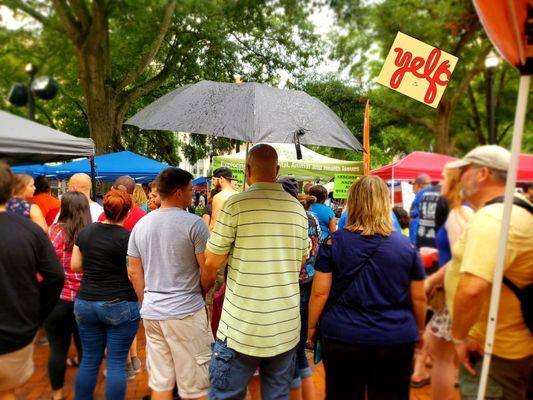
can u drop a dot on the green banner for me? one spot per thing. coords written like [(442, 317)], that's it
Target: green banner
[(342, 185), (238, 172)]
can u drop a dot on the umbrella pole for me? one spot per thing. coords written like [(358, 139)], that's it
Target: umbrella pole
[(518, 130), (245, 159), (93, 181)]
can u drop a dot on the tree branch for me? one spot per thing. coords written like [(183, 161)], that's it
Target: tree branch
[(472, 72), (25, 8), (135, 72), (69, 22), (82, 13), (98, 29), (477, 119)]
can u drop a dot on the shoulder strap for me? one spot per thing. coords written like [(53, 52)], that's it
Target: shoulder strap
[(516, 201), (515, 289), (346, 284)]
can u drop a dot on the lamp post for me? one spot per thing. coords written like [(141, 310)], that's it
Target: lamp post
[(42, 87), (491, 63)]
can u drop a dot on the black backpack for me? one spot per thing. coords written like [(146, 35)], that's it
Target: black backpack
[(525, 294)]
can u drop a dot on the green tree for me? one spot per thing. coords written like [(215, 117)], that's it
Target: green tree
[(119, 55), (368, 30)]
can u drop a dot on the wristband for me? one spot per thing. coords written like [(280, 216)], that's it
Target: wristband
[(458, 341)]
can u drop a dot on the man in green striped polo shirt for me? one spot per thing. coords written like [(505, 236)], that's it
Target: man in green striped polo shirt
[(262, 235)]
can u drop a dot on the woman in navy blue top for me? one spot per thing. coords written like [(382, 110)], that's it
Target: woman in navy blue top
[(368, 293)]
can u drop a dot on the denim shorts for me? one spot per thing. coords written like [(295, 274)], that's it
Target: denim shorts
[(230, 373)]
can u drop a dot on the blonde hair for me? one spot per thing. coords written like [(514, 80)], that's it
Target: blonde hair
[(306, 200), (452, 181), (139, 196), (369, 207), (20, 181)]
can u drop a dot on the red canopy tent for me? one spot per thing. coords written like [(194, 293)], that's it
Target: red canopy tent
[(418, 162), (414, 164), (525, 168)]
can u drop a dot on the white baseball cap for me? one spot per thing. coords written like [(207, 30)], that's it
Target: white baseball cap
[(490, 156)]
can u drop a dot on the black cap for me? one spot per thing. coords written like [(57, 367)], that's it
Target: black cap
[(223, 172), (290, 185)]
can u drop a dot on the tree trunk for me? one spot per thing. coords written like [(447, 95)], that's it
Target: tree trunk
[(442, 128)]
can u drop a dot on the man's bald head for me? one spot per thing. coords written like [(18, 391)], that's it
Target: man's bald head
[(127, 182), (262, 164), (80, 183)]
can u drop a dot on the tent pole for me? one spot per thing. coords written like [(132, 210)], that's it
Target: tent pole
[(93, 181), (245, 159), (518, 131), (392, 188)]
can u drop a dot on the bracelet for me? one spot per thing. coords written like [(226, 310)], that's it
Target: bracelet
[(458, 341)]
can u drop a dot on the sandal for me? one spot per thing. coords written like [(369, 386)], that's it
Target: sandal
[(73, 362), (421, 383)]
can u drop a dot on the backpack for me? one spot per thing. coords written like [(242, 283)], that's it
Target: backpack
[(525, 294)]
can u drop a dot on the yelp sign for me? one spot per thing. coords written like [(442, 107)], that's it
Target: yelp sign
[(417, 70)]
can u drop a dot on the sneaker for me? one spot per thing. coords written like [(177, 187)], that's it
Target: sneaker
[(130, 373), (136, 364)]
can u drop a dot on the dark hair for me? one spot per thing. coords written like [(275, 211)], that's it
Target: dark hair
[(117, 204), (528, 186), (75, 214), (170, 180), (320, 192), (403, 217), (42, 184), (6, 182)]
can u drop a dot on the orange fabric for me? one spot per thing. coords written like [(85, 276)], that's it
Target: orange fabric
[(46, 203), (497, 19)]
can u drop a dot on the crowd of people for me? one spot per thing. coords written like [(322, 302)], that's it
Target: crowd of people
[(233, 300)]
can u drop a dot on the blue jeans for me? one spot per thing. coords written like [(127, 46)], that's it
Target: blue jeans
[(230, 372), (302, 370), (112, 324)]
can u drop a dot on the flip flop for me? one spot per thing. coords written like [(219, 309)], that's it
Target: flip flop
[(71, 362), (422, 383)]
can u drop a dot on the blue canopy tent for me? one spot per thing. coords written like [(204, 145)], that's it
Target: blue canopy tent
[(109, 167), (201, 181), (34, 170)]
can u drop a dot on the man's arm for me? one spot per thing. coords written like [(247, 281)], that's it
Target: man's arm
[(467, 306), (213, 262), (136, 276)]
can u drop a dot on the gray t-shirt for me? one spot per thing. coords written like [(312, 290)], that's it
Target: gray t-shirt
[(167, 241)]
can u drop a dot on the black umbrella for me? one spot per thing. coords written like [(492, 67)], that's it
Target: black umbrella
[(250, 112)]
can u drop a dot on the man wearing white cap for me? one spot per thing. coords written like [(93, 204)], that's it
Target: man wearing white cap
[(471, 271)]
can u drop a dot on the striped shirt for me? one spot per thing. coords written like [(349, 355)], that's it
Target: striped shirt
[(264, 232)]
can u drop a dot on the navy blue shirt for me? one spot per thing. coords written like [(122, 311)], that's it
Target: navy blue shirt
[(375, 305)]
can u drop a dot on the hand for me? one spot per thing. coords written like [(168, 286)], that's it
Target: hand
[(463, 351), (311, 337)]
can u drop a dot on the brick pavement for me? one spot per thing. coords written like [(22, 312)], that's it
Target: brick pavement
[(38, 387)]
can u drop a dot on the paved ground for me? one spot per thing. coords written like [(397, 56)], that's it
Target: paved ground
[(38, 387)]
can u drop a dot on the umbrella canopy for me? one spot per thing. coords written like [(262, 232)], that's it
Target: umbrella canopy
[(414, 164), (250, 112), (111, 166), (24, 142), (312, 165)]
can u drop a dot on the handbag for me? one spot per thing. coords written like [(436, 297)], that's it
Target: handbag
[(334, 300)]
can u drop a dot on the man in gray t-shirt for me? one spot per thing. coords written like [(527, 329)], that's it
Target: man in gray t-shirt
[(166, 253)]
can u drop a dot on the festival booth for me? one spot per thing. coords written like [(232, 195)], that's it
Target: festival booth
[(313, 166), (414, 164), (109, 167), (25, 142)]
